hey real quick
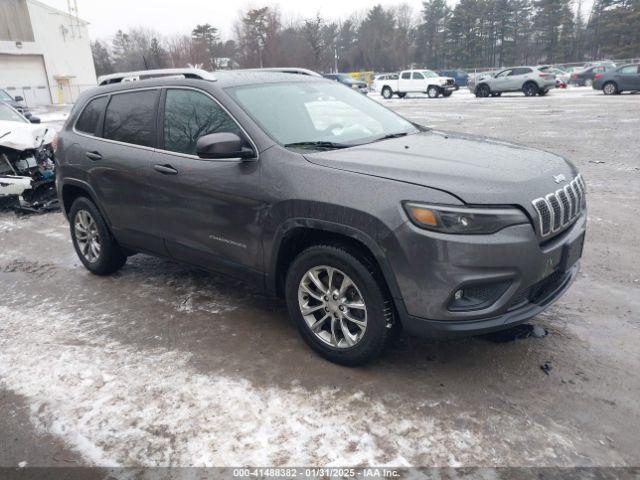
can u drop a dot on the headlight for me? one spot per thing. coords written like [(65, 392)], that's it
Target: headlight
[(355, 86), (463, 220)]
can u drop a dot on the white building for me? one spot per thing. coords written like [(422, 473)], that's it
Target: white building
[(45, 53)]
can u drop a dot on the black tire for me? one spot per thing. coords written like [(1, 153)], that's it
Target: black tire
[(386, 93), (530, 89), (379, 320), (483, 91), (402, 94), (542, 92), (111, 257), (588, 82), (610, 88), (447, 93), (433, 91)]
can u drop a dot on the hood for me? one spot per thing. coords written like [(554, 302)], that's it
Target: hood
[(477, 170), (24, 136)]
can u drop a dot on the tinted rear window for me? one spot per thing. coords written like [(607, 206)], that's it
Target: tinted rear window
[(131, 116), (91, 115)]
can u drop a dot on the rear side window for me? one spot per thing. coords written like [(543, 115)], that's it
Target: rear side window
[(520, 71), (406, 75), (130, 117), (91, 115), (189, 115)]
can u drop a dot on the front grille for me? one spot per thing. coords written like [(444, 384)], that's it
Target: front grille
[(558, 209)]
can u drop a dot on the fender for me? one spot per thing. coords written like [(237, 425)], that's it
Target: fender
[(87, 188), (332, 227)]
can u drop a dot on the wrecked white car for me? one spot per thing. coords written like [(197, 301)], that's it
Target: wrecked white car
[(27, 167)]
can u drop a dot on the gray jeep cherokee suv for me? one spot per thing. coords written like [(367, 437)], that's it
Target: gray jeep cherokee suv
[(363, 221)]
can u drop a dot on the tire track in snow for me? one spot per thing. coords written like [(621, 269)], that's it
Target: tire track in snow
[(122, 405)]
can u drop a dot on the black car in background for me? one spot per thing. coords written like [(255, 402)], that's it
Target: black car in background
[(586, 77), (349, 81), (625, 78), (459, 76)]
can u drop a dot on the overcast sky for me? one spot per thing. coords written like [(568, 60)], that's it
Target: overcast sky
[(180, 16)]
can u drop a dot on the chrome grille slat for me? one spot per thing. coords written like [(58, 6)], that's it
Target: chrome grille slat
[(557, 209)]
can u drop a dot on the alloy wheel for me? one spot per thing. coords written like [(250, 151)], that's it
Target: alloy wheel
[(87, 236), (332, 306), (609, 89)]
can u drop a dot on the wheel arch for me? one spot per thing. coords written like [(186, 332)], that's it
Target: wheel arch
[(72, 189), (297, 234)]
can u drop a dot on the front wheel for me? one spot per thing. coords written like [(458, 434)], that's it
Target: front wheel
[(433, 92), (339, 305), (610, 88), (483, 91), (387, 93), (97, 249)]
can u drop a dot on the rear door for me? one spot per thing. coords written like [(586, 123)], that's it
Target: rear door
[(404, 82), (517, 77), (208, 209), (120, 159)]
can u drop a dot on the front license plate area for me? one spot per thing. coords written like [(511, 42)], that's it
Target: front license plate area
[(571, 253)]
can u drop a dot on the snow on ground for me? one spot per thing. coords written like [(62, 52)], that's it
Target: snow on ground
[(119, 405)]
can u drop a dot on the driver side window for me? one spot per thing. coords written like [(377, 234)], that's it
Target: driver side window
[(418, 76), (189, 115)]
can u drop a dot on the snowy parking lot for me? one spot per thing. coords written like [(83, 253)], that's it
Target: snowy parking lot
[(162, 364)]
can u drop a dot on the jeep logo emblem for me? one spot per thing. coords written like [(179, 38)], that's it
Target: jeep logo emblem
[(559, 178)]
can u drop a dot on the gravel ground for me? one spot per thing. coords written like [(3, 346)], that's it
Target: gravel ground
[(161, 364)]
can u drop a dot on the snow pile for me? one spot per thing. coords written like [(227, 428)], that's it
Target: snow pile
[(120, 405)]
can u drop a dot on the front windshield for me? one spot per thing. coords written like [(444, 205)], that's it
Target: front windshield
[(310, 112), (5, 97), (429, 73), (10, 115)]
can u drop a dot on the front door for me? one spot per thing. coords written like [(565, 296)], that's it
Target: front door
[(628, 78), (501, 82), (417, 82), (208, 211)]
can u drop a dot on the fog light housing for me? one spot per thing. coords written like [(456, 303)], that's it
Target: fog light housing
[(477, 296)]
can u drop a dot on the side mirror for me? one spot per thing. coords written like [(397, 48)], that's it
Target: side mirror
[(18, 98), (33, 119), (223, 145)]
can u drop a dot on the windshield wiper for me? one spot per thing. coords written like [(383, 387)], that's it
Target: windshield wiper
[(391, 135), (317, 144)]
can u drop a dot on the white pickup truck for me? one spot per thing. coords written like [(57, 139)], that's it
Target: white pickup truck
[(418, 81)]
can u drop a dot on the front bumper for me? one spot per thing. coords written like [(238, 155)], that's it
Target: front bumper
[(430, 267)]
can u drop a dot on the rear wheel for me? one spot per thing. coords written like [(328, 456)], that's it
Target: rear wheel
[(339, 305), (588, 82), (447, 93), (433, 91), (542, 92), (97, 249), (610, 88), (387, 93), (483, 91), (530, 89)]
